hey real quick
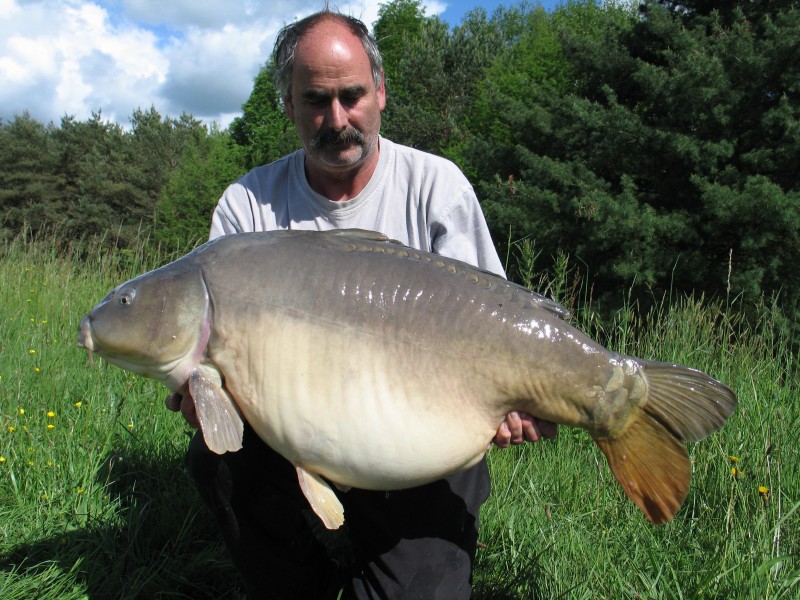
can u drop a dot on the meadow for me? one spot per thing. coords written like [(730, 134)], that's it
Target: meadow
[(95, 502)]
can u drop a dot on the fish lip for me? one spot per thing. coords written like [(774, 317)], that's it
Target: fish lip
[(85, 339)]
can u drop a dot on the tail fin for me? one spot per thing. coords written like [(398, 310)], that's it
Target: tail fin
[(647, 458)]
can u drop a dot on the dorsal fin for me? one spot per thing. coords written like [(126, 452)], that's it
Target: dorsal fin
[(361, 234)]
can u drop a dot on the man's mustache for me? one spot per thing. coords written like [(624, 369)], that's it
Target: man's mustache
[(333, 137)]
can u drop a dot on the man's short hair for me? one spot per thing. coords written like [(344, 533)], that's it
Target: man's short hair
[(286, 43)]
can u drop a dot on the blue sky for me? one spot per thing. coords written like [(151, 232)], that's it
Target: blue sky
[(455, 11), (76, 57)]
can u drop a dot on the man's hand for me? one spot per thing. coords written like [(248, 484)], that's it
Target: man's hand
[(178, 402), (520, 427)]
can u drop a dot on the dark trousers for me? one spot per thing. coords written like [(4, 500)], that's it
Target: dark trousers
[(416, 543)]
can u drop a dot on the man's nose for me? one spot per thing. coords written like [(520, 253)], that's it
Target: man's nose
[(338, 116)]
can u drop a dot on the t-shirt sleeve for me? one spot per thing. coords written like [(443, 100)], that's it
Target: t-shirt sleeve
[(462, 233), (233, 213)]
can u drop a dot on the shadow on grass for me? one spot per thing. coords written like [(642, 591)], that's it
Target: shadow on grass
[(492, 579), (156, 542)]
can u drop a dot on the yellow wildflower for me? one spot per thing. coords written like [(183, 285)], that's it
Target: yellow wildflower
[(81, 490), (37, 370), (51, 414), (733, 459), (21, 411), (51, 426), (11, 429), (763, 491), (2, 459), (78, 404), (31, 351)]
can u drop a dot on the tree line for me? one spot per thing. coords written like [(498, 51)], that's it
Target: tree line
[(656, 144)]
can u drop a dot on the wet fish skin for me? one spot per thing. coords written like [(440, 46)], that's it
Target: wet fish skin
[(369, 364)]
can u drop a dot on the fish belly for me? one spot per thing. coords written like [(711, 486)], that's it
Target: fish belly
[(360, 410)]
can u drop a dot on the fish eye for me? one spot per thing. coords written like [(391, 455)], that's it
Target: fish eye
[(127, 297)]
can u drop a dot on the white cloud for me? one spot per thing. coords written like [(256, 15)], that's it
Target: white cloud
[(67, 58), (212, 71), (76, 57), (181, 14), (433, 7)]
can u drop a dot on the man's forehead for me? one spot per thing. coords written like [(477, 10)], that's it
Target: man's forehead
[(324, 77), (331, 61), (329, 40)]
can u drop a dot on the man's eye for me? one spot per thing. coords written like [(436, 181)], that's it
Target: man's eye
[(315, 100)]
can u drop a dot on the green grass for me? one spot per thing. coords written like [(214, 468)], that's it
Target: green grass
[(99, 504)]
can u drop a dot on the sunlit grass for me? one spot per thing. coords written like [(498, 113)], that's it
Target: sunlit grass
[(95, 501)]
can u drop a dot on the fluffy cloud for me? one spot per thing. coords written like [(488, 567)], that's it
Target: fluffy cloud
[(75, 57), (68, 58)]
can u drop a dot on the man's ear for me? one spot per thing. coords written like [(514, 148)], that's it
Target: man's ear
[(381, 91), (288, 107)]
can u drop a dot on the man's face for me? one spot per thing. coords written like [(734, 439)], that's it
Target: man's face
[(334, 103)]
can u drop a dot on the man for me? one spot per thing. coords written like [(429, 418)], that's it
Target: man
[(417, 543)]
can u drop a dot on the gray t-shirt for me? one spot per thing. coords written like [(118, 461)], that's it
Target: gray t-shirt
[(414, 197)]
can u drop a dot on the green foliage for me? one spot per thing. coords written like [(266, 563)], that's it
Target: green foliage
[(30, 181), (666, 156), (399, 21), (263, 130), (758, 224), (431, 73), (183, 214), (93, 180), (106, 192)]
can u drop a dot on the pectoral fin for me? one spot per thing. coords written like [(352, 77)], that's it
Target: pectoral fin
[(220, 422), (321, 498)]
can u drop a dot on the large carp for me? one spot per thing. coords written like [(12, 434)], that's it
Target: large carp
[(372, 365)]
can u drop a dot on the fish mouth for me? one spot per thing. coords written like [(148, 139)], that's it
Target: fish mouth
[(85, 340)]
